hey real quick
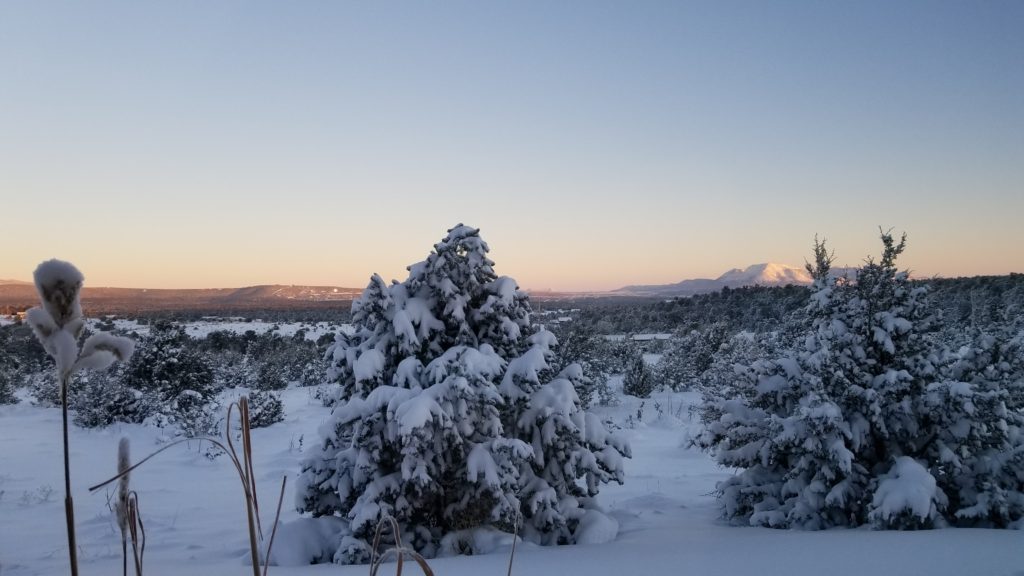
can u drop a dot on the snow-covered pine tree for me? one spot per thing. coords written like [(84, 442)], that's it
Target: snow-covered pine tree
[(442, 396), (639, 380), (265, 408), (975, 430), (840, 431), (674, 369), (573, 453), (8, 366)]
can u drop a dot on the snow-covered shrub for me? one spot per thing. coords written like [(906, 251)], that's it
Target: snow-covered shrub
[(271, 376), (6, 388), (9, 366), (265, 408), (102, 399), (176, 377), (674, 371), (44, 388), (738, 351), (448, 415), (583, 348), (165, 363), (841, 430), (974, 425), (638, 380), (189, 414), (688, 357)]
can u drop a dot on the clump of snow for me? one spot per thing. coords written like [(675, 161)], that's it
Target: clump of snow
[(486, 540), (304, 541), (908, 493), (596, 527)]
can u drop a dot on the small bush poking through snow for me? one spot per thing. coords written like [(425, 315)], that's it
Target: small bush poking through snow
[(639, 380), (265, 408)]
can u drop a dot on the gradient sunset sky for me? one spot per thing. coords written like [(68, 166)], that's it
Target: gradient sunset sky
[(596, 144)]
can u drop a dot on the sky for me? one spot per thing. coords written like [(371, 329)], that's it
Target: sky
[(595, 144)]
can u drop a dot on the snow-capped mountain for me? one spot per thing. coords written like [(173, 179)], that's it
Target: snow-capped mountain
[(766, 274)]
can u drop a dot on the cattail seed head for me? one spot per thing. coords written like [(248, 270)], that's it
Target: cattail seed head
[(59, 284)]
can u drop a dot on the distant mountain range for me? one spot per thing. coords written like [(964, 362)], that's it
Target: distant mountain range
[(16, 295), (767, 274)]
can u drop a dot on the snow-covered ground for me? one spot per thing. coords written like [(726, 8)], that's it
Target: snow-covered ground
[(668, 520)]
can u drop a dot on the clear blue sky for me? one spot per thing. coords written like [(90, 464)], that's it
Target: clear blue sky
[(596, 144)]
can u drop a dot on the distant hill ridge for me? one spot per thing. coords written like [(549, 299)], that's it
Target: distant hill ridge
[(121, 300)]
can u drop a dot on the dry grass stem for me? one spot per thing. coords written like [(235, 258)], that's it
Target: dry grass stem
[(243, 466), (137, 530), (398, 551), (273, 531), (515, 538)]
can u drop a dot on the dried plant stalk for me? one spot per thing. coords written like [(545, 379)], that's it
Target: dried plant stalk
[(69, 503), (121, 507), (243, 466), (398, 551), (515, 538), (137, 530)]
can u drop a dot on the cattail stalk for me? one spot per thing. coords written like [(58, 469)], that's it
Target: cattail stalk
[(69, 503), (58, 324), (123, 464)]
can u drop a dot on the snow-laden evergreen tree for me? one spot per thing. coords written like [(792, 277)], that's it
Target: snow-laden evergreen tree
[(858, 423), (737, 352), (265, 408), (674, 370), (104, 398), (974, 430), (639, 380), (447, 417), (576, 345), (9, 365), (178, 378)]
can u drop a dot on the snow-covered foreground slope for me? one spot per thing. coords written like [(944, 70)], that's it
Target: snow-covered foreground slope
[(194, 511)]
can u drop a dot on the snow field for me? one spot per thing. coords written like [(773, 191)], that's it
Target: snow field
[(668, 519)]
